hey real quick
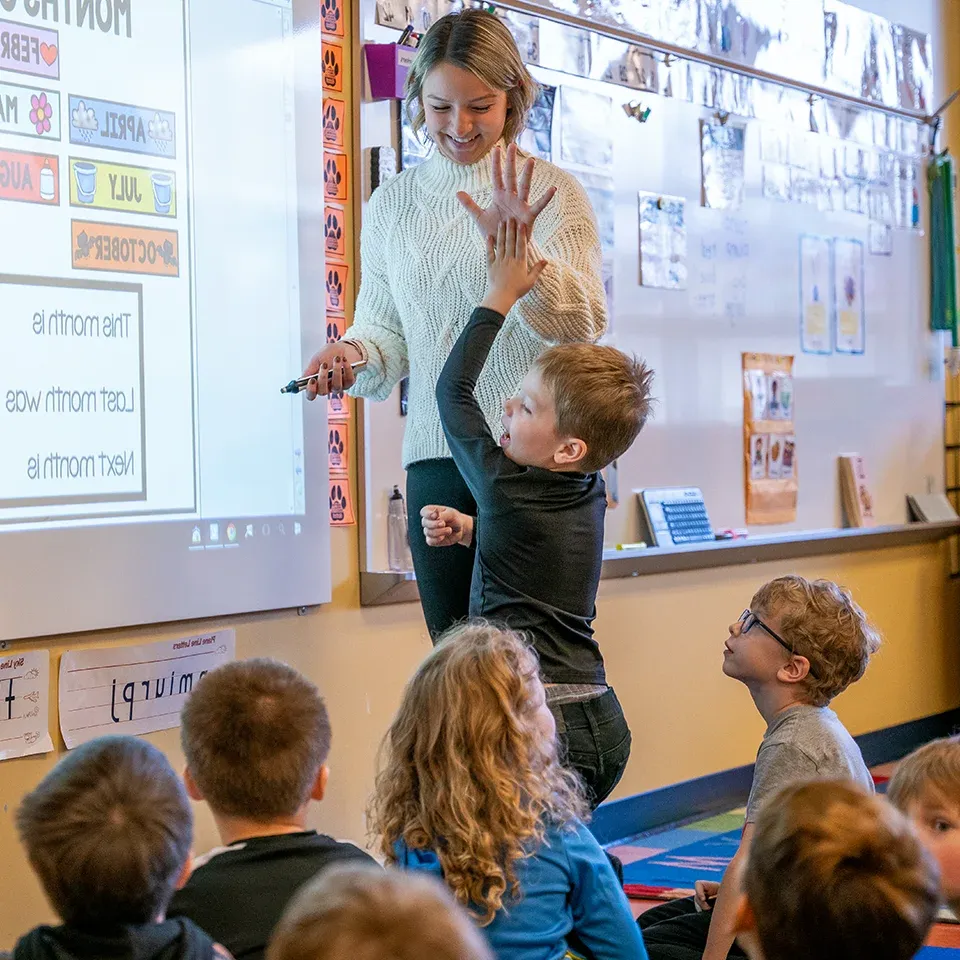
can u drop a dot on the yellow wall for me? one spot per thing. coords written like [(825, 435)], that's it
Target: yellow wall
[(661, 636)]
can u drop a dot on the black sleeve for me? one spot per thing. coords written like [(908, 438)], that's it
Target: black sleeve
[(477, 455)]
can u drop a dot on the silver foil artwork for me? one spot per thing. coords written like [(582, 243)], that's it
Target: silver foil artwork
[(859, 53), (914, 69)]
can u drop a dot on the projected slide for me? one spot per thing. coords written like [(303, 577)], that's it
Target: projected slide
[(154, 187)]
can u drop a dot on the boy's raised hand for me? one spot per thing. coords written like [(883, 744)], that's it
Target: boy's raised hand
[(510, 275)]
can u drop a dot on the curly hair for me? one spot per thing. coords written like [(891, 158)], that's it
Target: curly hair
[(480, 42), (822, 623), (465, 771)]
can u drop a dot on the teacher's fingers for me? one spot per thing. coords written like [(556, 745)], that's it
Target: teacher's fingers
[(470, 205), (497, 168), (526, 176), (537, 208), (511, 172)]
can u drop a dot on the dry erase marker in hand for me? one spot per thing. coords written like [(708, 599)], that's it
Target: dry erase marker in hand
[(295, 386)]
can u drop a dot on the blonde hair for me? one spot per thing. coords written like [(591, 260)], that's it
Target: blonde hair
[(255, 734), (480, 42), (930, 771), (838, 874), (466, 772), (601, 396), (360, 912), (822, 623)]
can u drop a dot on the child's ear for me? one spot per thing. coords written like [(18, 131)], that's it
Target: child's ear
[(795, 670), (193, 791), (571, 452), (320, 784)]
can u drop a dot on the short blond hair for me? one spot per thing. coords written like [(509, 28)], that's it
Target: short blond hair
[(930, 772), (601, 396), (480, 42), (822, 623), (838, 874), (354, 912), (255, 734)]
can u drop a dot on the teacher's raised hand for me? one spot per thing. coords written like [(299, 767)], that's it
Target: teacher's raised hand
[(511, 195)]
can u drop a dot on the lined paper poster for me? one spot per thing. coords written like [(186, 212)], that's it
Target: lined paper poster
[(134, 690), (25, 704)]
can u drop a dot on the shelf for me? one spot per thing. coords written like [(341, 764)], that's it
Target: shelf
[(378, 588)]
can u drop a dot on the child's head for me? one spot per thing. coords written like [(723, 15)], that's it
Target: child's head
[(256, 737), (579, 407), (837, 874), (108, 833), (468, 85), (807, 633), (355, 912), (469, 765), (926, 787)]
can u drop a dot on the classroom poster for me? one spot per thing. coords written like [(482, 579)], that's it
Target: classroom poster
[(25, 704), (769, 439), (848, 296), (537, 135), (586, 133), (722, 158), (663, 241), (134, 689), (816, 305)]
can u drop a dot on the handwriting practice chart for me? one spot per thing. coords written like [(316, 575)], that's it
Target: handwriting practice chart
[(134, 690), (24, 704)]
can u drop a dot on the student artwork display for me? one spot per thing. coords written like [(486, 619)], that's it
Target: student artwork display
[(722, 154), (769, 440), (586, 136), (663, 241), (537, 135), (816, 305), (848, 295)]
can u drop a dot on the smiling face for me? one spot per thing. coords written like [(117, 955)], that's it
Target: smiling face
[(529, 422), (464, 117)]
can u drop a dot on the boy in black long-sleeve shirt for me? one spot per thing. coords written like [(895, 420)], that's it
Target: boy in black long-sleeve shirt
[(541, 502)]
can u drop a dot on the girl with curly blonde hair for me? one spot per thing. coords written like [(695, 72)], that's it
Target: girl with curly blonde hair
[(470, 789)]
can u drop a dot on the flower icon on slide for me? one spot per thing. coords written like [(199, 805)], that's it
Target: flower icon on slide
[(40, 113)]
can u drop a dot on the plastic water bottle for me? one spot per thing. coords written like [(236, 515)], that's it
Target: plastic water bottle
[(398, 546)]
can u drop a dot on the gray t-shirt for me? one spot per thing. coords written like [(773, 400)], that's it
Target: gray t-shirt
[(804, 743)]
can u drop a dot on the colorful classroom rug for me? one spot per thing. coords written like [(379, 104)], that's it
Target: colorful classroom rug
[(665, 865)]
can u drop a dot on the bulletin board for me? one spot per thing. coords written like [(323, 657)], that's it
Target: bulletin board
[(740, 284)]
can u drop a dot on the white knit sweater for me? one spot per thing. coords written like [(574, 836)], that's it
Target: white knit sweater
[(423, 270)]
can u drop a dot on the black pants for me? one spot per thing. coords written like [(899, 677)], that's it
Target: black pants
[(443, 573), (675, 931), (594, 740)]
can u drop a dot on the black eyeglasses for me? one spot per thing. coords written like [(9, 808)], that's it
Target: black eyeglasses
[(748, 619)]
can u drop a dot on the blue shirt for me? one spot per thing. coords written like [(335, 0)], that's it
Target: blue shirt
[(569, 899)]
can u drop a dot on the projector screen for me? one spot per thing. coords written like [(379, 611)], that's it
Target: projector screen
[(161, 273)]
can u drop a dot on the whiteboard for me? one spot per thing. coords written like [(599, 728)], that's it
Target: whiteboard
[(886, 404)]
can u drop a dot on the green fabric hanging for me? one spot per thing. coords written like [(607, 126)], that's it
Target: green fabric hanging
[(943, 260)]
